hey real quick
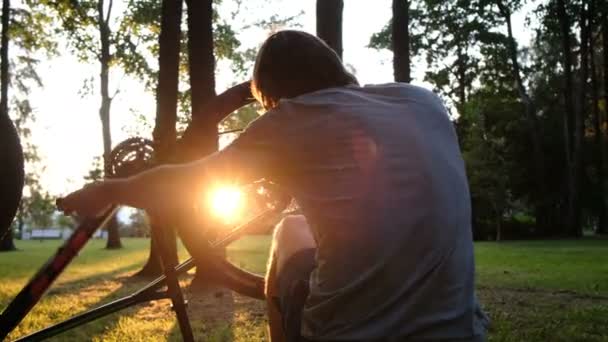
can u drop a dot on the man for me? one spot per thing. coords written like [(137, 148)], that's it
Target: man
[(383, 251)]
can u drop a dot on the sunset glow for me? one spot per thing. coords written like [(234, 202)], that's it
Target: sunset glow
[(226, 203)]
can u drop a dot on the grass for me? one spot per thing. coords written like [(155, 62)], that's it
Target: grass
[(533, 291), (545, 290)]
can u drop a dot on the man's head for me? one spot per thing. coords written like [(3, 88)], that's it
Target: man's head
[(292, 63)]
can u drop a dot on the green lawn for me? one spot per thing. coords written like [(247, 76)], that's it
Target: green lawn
[(533, 291)]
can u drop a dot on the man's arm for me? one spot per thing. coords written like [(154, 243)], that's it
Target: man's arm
[(160, 189), (258, 152)]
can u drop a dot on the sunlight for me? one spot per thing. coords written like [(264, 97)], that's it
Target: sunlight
[(226, 203)]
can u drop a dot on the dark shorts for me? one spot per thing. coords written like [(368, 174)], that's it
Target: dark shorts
[(292, 286)]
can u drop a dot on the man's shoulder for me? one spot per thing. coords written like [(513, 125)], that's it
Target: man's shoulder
[(399, 89), (335, 95)]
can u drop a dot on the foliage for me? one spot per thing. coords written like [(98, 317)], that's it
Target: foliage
[(31, 40), (486, 168), (506, 98), (242, 117), (96, 170), (138, 225), (64, 221)]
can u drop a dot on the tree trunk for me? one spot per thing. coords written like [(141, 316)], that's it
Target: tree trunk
[(202, 87), (598, 141), (498, 230), (461, 76), (573, 206), (11, 153), (113, 241), (4, 62), (166, 111), (604, 229), (7, 243), (329, 23), (20, 225), (576, 229), (533, 126), (400, 39), (11, 169)]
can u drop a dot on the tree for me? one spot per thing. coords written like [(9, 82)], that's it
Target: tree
[(139, 224), (400, 40), (453, 29), (208, 38), (87, 24), (570, 121), (201, 63), (329, 23), (446, 33), (603, 229), (487, 166), (599, 148), (26, 28), (575, 210), (14, 152), (402, 35), (36, 206), (165, 133), (201, 67), (64, 221), (530, 113)]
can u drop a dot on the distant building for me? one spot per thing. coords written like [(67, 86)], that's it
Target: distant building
[(56, 233)]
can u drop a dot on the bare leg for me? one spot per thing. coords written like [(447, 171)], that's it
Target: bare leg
[(291, 235), (275, 320)]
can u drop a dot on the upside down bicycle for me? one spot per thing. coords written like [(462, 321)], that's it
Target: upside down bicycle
[(130, 157)]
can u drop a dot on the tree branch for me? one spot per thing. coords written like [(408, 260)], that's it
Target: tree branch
[(107, 20)]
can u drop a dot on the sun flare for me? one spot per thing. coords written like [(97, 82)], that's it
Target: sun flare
[(227, 203)]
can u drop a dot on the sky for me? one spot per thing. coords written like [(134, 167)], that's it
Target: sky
[(68, 130)]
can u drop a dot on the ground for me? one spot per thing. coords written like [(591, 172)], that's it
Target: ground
[(533, 291)]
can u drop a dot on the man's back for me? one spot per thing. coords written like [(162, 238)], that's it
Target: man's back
[(379, 176)]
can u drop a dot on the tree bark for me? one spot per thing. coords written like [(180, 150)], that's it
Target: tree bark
[(113, 241), (531, 119), (7, 243), (11, 153), (571, 220), (597, 140), (604, 229), (329, 23), (576, 229), (4, 63), (461, 76), (20, 224), (202, 86), (166, 112), (201, 69), (400, 40)]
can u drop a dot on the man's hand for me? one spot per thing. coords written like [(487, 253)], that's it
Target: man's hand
[(90, 201)]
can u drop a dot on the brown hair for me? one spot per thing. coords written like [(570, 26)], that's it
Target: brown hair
[(291, 63)]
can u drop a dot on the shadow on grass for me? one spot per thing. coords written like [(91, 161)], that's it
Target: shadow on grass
[(225, 316), (127, 286), (74, 285), (211, 313), (59, 309), (144, 321)]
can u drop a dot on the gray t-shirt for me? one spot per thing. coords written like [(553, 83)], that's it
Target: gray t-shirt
[(378, 173)]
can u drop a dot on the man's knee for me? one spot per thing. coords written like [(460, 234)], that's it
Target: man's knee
[(293, 231), (291, 235)]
